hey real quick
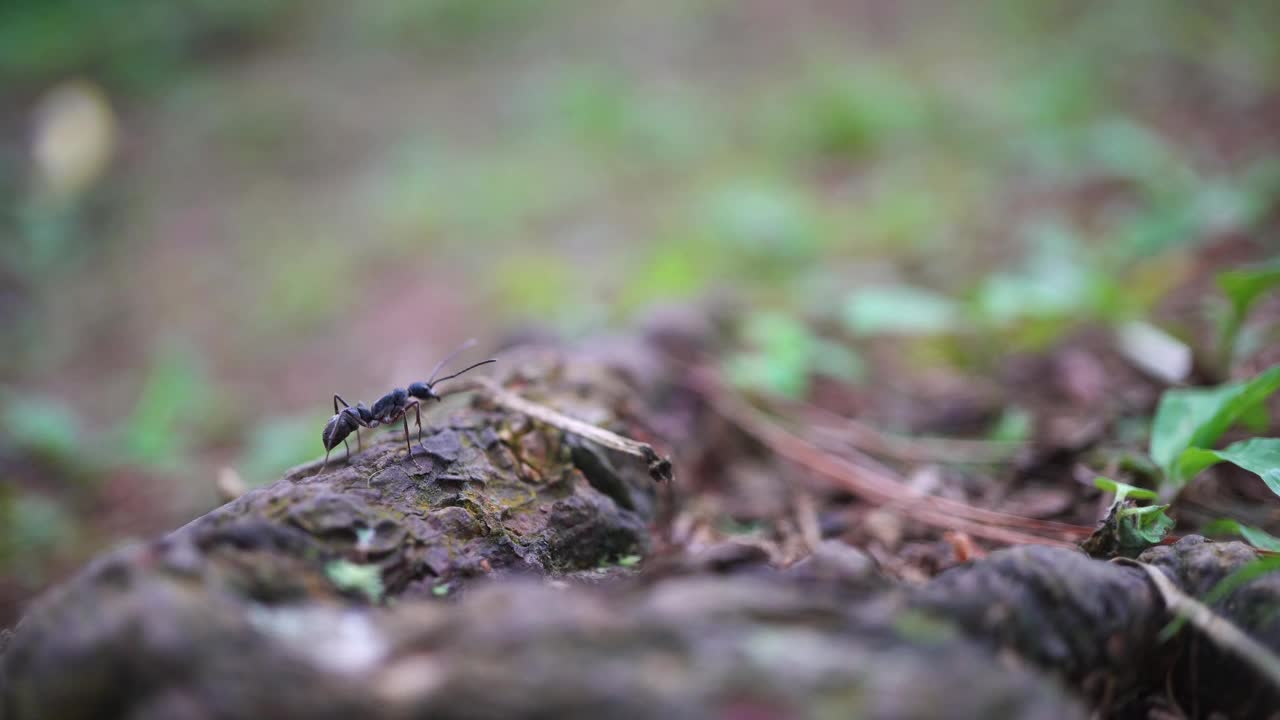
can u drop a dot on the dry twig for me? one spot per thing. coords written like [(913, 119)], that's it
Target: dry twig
[(659, 467), (876, 486), (1221, 631)]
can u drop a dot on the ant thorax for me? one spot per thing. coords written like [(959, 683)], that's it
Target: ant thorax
[(389, 405)]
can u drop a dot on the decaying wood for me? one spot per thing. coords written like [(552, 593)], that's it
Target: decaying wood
[(659, 467), (489, 575), (1097, 624), (1216, 628)]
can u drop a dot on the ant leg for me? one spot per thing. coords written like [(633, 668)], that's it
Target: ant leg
[(348, 447), (325, 464), (405, 417), (417, 417), (359, 445)]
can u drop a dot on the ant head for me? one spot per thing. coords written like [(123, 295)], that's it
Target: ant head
[(336, 430), (423, 391)]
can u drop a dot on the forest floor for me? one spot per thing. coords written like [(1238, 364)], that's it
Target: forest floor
[(722, 554), (928, 274)]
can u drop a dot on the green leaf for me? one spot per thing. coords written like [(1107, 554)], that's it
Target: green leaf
[(1254, 536), (1128, 530), (41, 425), (784, 353), (34, 529), (1256, 419), (1053, 282), (1015, 425), (838, 361), (1143, 526), (629, 560), (1260, 456), (1243, 287), (1194, 461), (157, 431), (901, 310), (768, 225), (276, 444), (1123, 490), (1196, 418)]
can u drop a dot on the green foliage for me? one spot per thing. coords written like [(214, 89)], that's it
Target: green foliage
[(625, 122), (899, 310), (1256, 537), (1128, 148), (766, 224), (847, 113), (278, 444), (673, 270), (157, 431), (353, 577), (131, 41), (1014, 426), (1055, 281), (1063, 95), (31, 528), (784, 354), (1130, 529), (1189, 421), (1143, 526), (594, 107), (533, 282), (1260, 456), (1243, 287), (1123, 490), (449, 22), (295, 291), (41, 426), (51, 235)]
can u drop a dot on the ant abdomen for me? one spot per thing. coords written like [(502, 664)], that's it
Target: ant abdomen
[(337, 429)]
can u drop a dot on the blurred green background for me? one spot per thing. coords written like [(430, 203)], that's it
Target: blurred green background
[(216, 213)]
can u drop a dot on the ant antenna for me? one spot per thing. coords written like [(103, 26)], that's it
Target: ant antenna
[(445, 360), (448, 377)]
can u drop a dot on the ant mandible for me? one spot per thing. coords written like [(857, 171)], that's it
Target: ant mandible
[(393, 406)]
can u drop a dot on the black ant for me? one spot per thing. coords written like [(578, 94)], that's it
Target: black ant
[(393, 406)]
